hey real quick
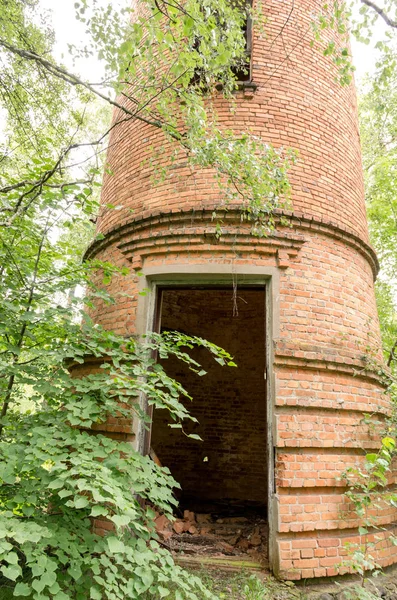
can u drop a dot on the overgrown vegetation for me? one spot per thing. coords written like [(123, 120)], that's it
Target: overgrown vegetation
[(369, 488), (233, 586), (55, 474)]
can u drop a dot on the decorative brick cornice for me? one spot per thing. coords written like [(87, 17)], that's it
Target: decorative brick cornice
[(336, 231), (327, 361), (160, 231), (192, 225)]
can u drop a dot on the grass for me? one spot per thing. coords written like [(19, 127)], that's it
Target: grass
[(246, 586), (228, 586)]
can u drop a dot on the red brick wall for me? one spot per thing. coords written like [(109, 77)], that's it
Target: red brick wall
[(328, 343), (298, 104)]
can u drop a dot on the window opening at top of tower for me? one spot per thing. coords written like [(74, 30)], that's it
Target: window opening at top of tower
[(242, 71)]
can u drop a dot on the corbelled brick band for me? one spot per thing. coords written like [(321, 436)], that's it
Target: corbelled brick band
[(324, 296)]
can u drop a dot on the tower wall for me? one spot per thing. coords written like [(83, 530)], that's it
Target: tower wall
[(322, 271)]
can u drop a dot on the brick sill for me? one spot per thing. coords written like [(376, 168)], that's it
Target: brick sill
[(247, 87)]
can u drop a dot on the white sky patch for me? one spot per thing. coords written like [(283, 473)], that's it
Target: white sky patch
[(68, 30), (365, 56)]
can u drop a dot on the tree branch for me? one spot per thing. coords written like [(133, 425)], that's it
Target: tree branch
[(381, 13), (392, 356), (47, 175), (11, 380), (72, 79), (61, 186)]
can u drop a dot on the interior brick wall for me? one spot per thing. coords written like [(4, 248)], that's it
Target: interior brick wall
[(229, 402)]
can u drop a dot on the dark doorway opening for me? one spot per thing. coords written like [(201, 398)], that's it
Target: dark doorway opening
[(225, 475)]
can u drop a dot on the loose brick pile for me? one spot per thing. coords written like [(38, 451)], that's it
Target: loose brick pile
[(209, 535), (325, 323)]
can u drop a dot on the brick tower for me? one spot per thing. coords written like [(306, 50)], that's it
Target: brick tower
[(296, 309)]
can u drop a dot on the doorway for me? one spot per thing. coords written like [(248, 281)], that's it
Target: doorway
[(225, 476)]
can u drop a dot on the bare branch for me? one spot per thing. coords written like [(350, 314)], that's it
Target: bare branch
[(392, 355), (381, 13), (61, 186), (72, 79)]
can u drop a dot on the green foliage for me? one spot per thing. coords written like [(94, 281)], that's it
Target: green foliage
[(368, 491), (388, 320), (378, 126), (56, 475), (330, 33), (369, 487), (378, 122), (369, 18), (39, 112), (153, 64), (361, 18)]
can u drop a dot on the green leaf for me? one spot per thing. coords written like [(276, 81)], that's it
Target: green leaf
[(11, 558), (81, 502), (98, 510), (75, 571), (371, 458), (120, 520), (38, 585), (56, 484), (95, 594), (62, 596), (22, 589), (389, 443), (49, 578), (12, 572), (65, 493), (115, 545)]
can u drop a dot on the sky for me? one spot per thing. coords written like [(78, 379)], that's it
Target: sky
[(68, 30)]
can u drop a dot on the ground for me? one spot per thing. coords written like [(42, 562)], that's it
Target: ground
[(246, 586), (229, 586)]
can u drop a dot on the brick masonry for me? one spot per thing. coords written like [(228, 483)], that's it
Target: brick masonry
[(229, 403), (327, 314)]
